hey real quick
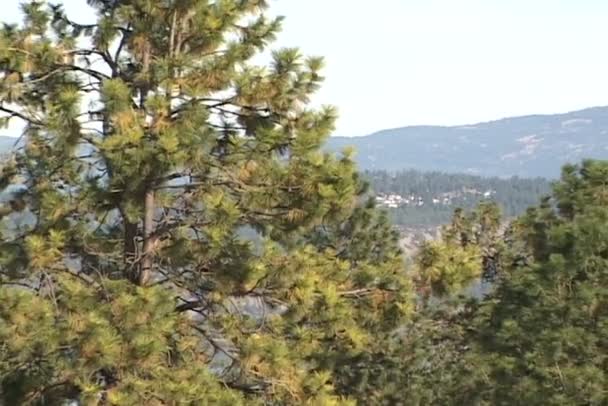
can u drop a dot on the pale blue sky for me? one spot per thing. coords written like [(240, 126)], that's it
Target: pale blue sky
[(401, 62)]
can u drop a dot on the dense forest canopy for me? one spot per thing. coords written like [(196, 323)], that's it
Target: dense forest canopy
[(441, 193), (539, 336)]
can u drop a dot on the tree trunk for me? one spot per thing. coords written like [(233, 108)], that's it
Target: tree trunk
[(147, 260), (130, 247), (130, 243)]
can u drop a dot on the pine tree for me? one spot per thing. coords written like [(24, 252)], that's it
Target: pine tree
[(168, 192), (459, 231), (368, 240), (447, 269), (469, 250), (541, 337), (488, 236)]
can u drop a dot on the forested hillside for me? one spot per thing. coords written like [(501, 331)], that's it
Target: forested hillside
[(416, 199), (529, 146)]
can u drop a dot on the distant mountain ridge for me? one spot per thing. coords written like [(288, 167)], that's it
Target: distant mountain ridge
[(527, 146)]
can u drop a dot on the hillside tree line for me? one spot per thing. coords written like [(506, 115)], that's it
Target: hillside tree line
[(513, 195)]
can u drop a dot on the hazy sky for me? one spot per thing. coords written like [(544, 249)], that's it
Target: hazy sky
[(400, 62)]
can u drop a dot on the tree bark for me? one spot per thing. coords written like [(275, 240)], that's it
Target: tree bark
[(147, 260), (130, 247), (130, 243)]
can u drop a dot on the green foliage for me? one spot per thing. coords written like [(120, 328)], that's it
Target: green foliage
[(541, 337), (447, 268), (513, 196), (123, 343), (173, 234), (469, 249), (151, 141)]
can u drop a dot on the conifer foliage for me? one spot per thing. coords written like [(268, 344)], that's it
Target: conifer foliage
[(542, 337), (469, 249), (162, 243)]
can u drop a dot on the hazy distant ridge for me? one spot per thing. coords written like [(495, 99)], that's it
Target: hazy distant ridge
[(526, 146)]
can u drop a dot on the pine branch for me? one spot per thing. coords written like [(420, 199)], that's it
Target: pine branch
[(357, 293), (91, 72), (17, 284), (190, 305), (252, 388), (120, 47), (214, 343), (14, 113)]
